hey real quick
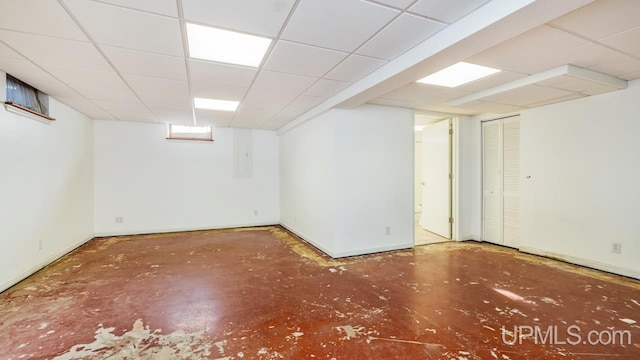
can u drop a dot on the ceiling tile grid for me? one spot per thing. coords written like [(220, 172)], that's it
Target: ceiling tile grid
[(128, 60)]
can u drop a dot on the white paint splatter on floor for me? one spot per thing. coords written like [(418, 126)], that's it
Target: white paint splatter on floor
[(141, 343)]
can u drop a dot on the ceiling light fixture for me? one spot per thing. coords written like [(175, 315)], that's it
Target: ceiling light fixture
[(568, 70), (419, 127), (225, 46), (458, 74), (214, 104)]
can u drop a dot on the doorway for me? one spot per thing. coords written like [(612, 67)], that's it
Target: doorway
[(433, 179)]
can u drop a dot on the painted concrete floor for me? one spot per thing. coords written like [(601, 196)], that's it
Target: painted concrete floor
[(262, 294)]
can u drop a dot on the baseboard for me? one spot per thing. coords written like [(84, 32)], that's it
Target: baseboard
[(583, 262), (369, 251), (307, 238), (50, 259), (172, 230)]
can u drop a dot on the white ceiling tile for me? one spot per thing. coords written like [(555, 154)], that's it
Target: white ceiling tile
[(102, 93), (26, 71), (172, 116), (44, 49), (392, 102), (7, 53), (336, 24), (134, 115), (94, 84), (120, 105), (626, 41), (491, 81), (415, 92), (600, 90), (602, 18), (354, 68), (302, 59), (39, 17), (529, 47), (570, 83), (267, 99), (401, 35), (222, 92), (446, 10), (618, 65), (527, 95), (157, 86), (213, 73), (213, 117), (86, 107), (631, 76), (583, 56), (79, 78), (276, 81), (300, 105), (326, 88), (216, 122), (447, 95), (132, 29), (157, 101), (400, 4), (264, 17), (145, 63), (162, 7)]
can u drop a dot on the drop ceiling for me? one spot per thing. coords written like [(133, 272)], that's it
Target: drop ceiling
[(129, 61)]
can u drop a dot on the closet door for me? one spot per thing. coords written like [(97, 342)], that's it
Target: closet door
[(511, 182), (492, 182), (501, 181)]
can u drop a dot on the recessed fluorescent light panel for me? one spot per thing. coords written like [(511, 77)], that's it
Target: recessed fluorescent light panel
[(458, 74), (214, 104), (225, 46)]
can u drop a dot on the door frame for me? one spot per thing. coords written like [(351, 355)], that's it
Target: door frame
[(455, 161)]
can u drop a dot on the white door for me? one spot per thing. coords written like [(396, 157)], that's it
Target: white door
[(511, 182), (436, 178), (492, 181), (501, 181)]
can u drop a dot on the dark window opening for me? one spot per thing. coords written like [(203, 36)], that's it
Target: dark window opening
[(24, 95)]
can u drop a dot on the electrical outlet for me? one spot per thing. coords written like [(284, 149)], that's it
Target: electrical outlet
[(40, 244), (119, 220), (616, 248), (387, 230), (255, 212)]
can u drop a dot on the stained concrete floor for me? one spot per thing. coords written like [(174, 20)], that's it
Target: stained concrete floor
[(263, 294)]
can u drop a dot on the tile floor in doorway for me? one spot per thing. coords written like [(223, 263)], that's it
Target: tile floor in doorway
[(261, 293)]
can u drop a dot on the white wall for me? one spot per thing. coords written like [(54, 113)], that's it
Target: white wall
[(307, 181), (47, 188), (346, 176), (159, 185), (467, 216), (374, 179), (583, 194)]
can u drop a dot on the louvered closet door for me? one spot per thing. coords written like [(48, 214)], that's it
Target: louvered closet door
[(492, 182), (511, 181), (501, 181)]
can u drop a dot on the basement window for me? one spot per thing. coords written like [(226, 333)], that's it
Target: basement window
[(190, 132), (26, 100)]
